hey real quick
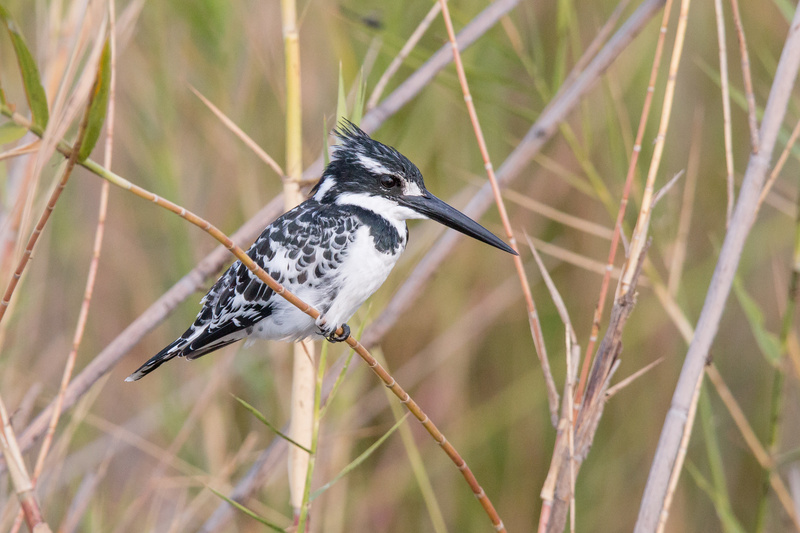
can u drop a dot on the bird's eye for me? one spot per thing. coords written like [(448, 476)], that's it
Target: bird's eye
[(389, 182)]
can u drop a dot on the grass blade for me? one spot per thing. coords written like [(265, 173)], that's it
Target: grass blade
[(325, 145), (361, 94), (341, 101), (256, 413), (717, 491), (37, 100), (726, 517), (358, 460), (768, 342), (248, 512), (99, 105)]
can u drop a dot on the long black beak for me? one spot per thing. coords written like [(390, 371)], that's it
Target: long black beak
[(435, 209)]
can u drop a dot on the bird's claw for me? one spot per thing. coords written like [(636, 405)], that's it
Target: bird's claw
[(333, 337)]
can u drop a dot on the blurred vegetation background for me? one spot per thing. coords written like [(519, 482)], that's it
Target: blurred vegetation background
[(116, 452)]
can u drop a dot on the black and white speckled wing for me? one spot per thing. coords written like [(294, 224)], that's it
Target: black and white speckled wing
[(301, 250)]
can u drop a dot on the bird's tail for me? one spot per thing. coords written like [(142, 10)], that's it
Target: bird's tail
[(173, 350)]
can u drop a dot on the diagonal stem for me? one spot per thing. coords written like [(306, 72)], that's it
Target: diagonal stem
[(251, 265)]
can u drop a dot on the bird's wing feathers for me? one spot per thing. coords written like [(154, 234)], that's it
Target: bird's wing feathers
[(302, 248)]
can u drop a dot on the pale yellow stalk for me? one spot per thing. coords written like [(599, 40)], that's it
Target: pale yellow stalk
[(303, 379)]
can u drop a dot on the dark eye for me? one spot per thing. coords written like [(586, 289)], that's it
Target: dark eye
[(389, 182)]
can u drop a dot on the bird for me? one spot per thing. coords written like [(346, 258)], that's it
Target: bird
[(333, 251)]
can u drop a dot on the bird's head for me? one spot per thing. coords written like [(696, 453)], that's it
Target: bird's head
[(371, 175)]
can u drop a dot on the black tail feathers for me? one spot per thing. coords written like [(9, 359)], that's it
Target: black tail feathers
[(173, 350)]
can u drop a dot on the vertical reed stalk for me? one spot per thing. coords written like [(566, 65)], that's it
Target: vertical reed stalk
[(302, 415), (667, 454)]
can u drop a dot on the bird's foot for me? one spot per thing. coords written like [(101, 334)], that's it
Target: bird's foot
[(333, 337), (330, 333)]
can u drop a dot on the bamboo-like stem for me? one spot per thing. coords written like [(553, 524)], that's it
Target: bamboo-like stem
[(684, 447), (70, 363), (533, 317), (23, 486), (558, 488), (302, 400), (43, 218), (623, 205), (764, 458), (94, 264), (666, 456), (567, 421), (302, 519), (22, 150), (643, 222), (726, 105), (89, 289)]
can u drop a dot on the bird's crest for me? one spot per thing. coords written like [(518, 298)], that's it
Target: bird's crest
[(359, 148)]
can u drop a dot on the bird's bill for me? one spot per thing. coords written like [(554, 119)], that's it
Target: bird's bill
[(435, 209)]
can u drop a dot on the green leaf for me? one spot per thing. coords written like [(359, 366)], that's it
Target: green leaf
[(263, 420), (718, 491), (786, 8), (361, 94), (326, 158), (729, 521), (10, 132), (768, 342), (248, 512), (37, 100), (358, 460), (98, 105), (341, 102)]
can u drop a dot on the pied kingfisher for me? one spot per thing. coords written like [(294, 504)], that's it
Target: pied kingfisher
[(332, 251)]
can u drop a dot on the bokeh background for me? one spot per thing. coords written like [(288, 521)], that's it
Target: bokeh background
[(138, 457)]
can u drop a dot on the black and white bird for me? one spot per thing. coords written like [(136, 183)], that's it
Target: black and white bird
[(333, 251)]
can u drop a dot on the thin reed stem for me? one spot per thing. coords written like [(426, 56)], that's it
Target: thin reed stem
[(533, 316), (776, 170), (93, 265), (20, 480), (726, 105), (302, 400), (643, 222), (397, 62), (623, 205), (667, 454), (747, 76)]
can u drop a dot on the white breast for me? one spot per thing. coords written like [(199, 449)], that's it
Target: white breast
[(361, 273)]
